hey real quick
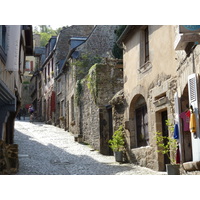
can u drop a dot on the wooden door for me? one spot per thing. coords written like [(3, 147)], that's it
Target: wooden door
[(165, 133)]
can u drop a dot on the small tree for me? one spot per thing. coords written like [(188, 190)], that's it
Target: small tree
[(117, 141), (167, 145)]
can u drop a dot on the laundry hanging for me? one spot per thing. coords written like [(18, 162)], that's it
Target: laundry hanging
[(177, 155), (192, 121), (176, 132)]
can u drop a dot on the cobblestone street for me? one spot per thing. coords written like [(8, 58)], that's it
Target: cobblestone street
[(48, 150)]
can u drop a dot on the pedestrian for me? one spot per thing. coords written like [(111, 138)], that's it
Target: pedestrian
[(32, 117), (24, 113), (19, 114), (31, 112)]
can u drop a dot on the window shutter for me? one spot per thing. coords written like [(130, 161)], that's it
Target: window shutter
[(53, 102), (193, 97), (193, 100)]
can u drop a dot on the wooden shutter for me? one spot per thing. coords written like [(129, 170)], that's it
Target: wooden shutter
[(53, 102), (193, 97), (193, 100)]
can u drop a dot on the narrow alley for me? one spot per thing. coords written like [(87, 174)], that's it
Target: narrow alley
[(48, 150)]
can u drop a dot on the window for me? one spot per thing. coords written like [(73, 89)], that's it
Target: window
[(59, 86), (144, 46), (27, 66), (3, 43), (145, 64), (72, 108), (142, 126), (3, 37), (146, 38), (62, 112)]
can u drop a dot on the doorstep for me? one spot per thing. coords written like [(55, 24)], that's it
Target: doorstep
[(191, 166)]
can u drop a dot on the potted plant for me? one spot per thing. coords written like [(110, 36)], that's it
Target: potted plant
[(117, 143), (168, 146)]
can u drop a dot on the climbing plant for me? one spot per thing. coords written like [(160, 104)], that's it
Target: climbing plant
[(84, 62), (118, 52), (92, 82), (78, 92)]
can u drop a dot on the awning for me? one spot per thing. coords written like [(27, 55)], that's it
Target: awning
[(7, 99)]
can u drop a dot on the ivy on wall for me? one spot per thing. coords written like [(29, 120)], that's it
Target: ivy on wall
[(92, 82)]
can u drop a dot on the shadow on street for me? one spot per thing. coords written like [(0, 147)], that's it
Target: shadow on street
[(38, 158)]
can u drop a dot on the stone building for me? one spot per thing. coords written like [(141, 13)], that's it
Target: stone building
[(161, 69), (15, 44), (64, 82), (188, 69), (90, 88), (95, 119), (47, 82), (150, 82)]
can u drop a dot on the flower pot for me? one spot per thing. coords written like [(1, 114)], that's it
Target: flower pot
[(173, 169), (118, 156)]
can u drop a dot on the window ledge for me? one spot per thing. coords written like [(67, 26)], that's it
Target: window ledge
[(146, 67)]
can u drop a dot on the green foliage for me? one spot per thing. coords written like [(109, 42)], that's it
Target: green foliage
[(169, 125), (117, 142), (116, 51), (167, 145), (26, 82), (46, 32), (84, 63), (92, 82), (78, 91)]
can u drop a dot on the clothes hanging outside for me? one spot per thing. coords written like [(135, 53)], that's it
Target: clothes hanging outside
[(186, 120), (192, 123), (177, 155), (176, 132)]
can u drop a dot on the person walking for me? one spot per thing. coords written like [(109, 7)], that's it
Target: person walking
[(24, 113), (31, 112)]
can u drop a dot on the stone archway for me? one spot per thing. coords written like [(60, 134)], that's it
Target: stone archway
[(138, 122)]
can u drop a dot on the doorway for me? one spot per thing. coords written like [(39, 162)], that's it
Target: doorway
[(106, 129), (166, 134), (186, 135)]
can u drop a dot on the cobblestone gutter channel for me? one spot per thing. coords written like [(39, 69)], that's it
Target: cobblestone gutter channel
[(48, 150)]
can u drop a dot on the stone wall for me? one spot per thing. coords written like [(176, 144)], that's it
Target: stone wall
[(66, 33), (102, 82), (9, 163), (118, 103), (61, 52)]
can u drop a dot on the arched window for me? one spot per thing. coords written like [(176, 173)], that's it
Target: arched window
[(141, 118), (142, 126)]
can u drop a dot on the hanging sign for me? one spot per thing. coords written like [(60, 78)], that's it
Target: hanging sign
[(189, 28)]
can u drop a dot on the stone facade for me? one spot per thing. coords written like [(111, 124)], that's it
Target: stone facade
[(64, 80), (15, 44), (148, 91), (99, 86), (90, 119), (188, 64), (157, 90)]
